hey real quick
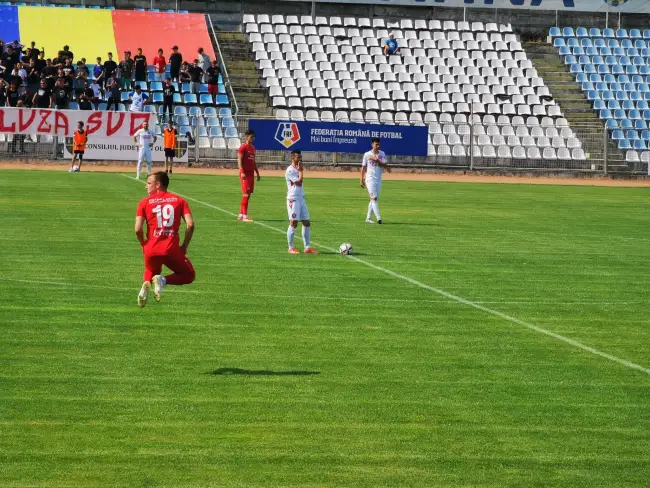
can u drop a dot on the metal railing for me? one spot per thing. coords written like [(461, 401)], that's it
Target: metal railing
[(224, 70)]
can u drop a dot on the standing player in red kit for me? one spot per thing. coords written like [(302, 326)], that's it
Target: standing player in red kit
[(163, 212), (247, 169)]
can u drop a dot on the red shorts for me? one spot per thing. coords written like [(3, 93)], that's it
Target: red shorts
[(213, 89), (248, 184), (174, 260)]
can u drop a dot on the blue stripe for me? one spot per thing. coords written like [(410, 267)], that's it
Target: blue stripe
[(9, 30)]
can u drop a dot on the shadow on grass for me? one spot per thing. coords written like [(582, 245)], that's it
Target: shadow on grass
[(250, 372)]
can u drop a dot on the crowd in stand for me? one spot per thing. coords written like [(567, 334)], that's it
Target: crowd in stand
[(28, 79)]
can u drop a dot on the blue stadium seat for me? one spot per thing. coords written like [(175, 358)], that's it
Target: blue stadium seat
[(621, 95), (599, 105), (642, 105), (142, 84), (624, 144), (640, 44), (565, 50), (572, 42), (567, 32), (205, 99), (605, 114), (589, 69), (169, 11), (581, 78), (641, 125), (203, 88), (215, 131), (595, 32), (600, 43), (150, 109), (180, 110), (157, 97), (554, 32), (182, 119), (577, 51), (586, 42), (74, 106), (635, 34), (634, 115), (646, 115), (156, 86), (222, 100), (622, 33), (109, 8), (231, 132), (559, 42), (635, 96), (631, 135), (190, 98), (213, 122), (183, 11), (592, 51), (620, 114), (592, 95), (608, 32), (154, 10), (595, 78), (138, 9), (177, 98), (210, 112), (203, 131), (626, 124), (64, 6), (227, 122), (225, 112), (613, 43), (194, 111), (587, 86), (645, 135), (617, 135), (639, 144), (581, 32), (184, 129), (125, 96), (613, 105), (611, 124)]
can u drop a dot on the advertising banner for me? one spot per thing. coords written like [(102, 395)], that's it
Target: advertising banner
[(123, 149), (634, 6), (334, 137), (64, 122)]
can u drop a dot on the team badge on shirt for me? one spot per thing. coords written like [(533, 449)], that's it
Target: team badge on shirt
[(287, 134)]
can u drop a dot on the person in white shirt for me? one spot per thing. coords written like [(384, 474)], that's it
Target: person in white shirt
[(138, 99), (372, 166), (296, 206), (145, 143)]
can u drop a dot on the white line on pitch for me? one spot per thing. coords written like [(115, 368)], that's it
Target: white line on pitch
[(448, 295)]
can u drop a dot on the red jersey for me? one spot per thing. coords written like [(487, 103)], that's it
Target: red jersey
[(163, 212), (160, 64), (247, 152)]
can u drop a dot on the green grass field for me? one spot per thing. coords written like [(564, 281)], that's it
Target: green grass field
[(274, 370)]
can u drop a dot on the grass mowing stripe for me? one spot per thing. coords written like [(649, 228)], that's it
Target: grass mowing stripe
[(450, 296)]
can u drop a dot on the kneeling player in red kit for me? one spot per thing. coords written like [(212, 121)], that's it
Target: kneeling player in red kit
[(163, 212)]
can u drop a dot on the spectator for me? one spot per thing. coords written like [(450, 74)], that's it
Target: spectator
[(49, 72), (114, 95), (98, 72), (185, 75), (168, 98), (175, 62), (126, 71), (43, 97), (67, 54), (8, 62), (213, 74), (140, 61), (138, 99), (33, 77), (68, 80), (94, 93), (18, 75), (34, 53), (3, 93), (196, 76), (41, 62), (110, 67), (204, 63), (82, 66), (13, 95), (84, 103), (390, 45), (160, 64), (68, 69), (81, 82), (62, 95)]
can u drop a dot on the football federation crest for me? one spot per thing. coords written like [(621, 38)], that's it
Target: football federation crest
[(287, 134), (615, 3)]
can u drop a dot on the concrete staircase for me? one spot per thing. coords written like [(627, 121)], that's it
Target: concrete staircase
[(252, 98), (582, 118)]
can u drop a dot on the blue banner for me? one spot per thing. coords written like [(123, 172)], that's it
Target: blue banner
[(334, 137)]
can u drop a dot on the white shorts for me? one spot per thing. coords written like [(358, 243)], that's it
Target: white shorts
[(297, 209), (374, 188), (144, 154)]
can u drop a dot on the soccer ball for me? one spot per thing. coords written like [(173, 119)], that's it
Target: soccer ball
[(75, 168), (345, 248)]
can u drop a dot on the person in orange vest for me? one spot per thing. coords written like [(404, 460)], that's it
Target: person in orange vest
[(169, 143), (79, 141)]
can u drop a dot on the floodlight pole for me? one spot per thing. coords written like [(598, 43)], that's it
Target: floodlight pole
[(471, 137), (605, 155)]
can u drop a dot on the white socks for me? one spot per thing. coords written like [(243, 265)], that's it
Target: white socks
[(291, 231), (369, 215), (306, 232), (149, 167), (375, 208)]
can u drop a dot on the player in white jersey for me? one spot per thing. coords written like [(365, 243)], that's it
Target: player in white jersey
[(145, 144), (296, 205), (372, 166)]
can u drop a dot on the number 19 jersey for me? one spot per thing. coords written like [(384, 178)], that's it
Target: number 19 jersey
[(163, 212)]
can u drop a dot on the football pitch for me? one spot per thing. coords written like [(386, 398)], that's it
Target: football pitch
[(485, 336)]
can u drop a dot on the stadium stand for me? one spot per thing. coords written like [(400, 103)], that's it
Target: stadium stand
[(95, 32), (450, 74), (613, 70)]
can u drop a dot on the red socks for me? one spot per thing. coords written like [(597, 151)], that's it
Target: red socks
[(243, 208)]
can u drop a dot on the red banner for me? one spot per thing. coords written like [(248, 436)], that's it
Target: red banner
[(64, 122)]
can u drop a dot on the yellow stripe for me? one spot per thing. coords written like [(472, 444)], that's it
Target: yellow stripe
[(89, 33)]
